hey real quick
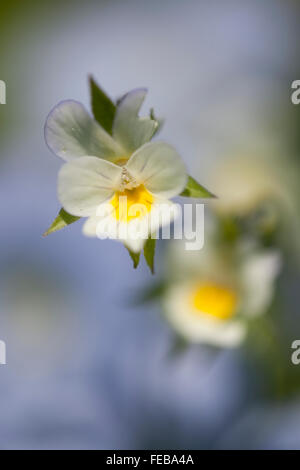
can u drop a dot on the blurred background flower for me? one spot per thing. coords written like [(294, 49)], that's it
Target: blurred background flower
[(86, 368), (212, 294)]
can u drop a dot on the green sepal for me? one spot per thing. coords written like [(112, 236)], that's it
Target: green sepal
[(135, 257), (149, 252), (62, 220), (102, 106), (194, 189), (159, 122)]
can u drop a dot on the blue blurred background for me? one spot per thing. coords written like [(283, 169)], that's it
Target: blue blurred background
[(87, 368)]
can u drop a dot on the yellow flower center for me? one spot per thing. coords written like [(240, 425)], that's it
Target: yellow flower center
[(131, 203), (215, 300)]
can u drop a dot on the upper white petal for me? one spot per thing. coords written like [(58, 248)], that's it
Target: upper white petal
[(129, 130), (70, 132), (159, 168), (85, 183)]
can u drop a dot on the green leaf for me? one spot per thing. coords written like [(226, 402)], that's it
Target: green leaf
[(194, 189), (62, 220), (135, 257), (149, 252), (102, 106)]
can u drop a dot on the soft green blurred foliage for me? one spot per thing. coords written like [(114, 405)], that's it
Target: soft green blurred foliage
[(23, 25)]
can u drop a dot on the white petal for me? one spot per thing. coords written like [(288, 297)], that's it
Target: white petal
[(134, 244), (258, 276), (109, 228), (162, 214), (135, 232), (85, 183), (130, 131), (106, 226), (138, 230), (159, 168), (196, 328), (70, 132), (90, 227)]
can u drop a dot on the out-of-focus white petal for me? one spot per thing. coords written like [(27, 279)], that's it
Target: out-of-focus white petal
[(70, 132), (129, 130), (159, 168), (258, 276), (85, 183), (196, 328)]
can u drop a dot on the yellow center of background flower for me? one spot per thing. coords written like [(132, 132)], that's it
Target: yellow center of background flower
[(131, 203), (213, 299)]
